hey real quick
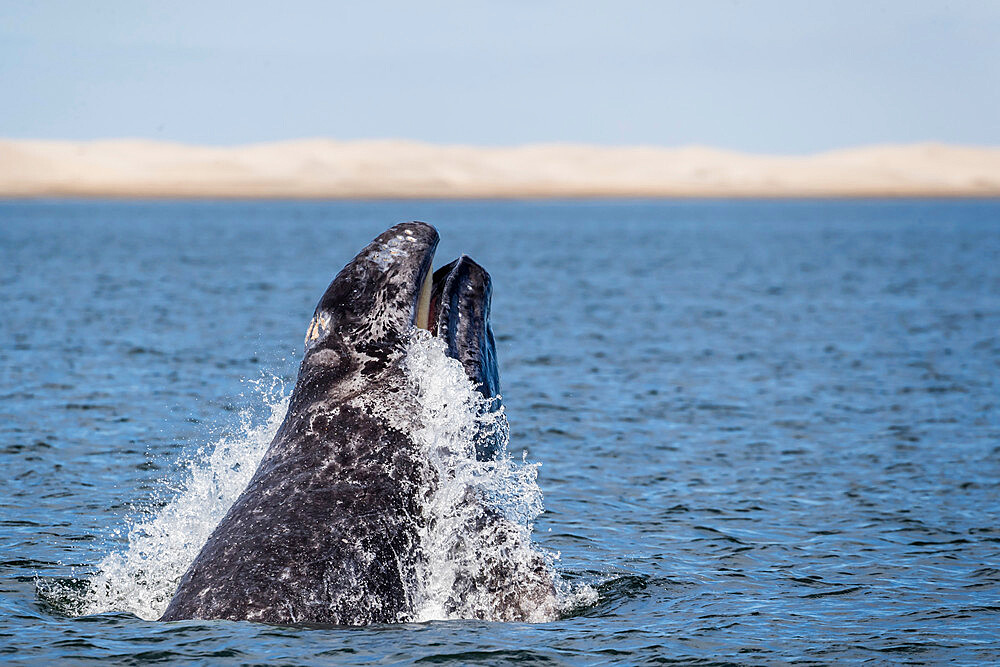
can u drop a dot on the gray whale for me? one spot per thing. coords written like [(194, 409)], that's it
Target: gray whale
[(327, 531)]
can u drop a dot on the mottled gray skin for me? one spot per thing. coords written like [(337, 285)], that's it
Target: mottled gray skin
[(326, 530)]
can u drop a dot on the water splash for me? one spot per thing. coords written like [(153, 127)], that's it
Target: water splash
[(478, 560), (476, 557), (161, 545)]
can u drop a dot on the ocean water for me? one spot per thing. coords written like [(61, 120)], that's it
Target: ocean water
[(763, 432)]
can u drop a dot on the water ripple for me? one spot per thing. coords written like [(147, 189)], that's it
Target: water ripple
[(768, 430)]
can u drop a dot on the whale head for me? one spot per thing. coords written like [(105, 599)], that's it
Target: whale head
[(379, 296), (364, 319)]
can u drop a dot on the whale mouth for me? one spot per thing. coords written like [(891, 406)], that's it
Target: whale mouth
[(459, 290), (423, 317), (459, 296)]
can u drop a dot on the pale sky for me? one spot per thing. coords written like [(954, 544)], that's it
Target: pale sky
[(762, 76)]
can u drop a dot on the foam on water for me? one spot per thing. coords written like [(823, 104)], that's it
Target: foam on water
[(162, 544), (476, 557)]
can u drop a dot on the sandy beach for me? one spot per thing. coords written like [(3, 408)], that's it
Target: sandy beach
[(323, 168)]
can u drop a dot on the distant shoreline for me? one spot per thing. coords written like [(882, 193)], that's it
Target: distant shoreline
[(322, 169), (169, 199)]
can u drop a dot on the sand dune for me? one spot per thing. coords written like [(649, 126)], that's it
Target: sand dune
[(377, 169)]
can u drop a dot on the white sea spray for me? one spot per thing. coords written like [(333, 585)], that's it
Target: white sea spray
[(478, 560), (476, 556), (142, 576)]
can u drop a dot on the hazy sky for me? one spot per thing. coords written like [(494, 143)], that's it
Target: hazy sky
[(779, 77)]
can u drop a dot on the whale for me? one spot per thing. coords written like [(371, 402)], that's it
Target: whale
[(328, 530)]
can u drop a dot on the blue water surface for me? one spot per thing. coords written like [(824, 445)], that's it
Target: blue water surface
[(769, 431)]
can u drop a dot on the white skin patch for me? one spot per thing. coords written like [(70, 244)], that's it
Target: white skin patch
[(325, 357), (393, 248), (318, 328)]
